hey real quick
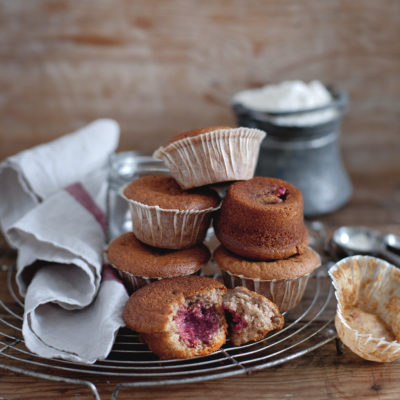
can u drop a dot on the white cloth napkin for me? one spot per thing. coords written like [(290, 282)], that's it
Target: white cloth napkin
[(52, 209)]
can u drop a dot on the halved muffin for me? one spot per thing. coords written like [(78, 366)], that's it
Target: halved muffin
[(179, 317), (250, 316)]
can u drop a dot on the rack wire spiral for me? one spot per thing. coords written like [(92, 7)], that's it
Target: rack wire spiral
[(131, 364)]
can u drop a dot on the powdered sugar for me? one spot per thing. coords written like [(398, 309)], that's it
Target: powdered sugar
[(290, 96)]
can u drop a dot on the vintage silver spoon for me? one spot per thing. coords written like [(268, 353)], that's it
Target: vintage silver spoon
[(360, 240), (392, 241)]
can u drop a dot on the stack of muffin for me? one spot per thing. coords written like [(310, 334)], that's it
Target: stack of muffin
[(264, 246), (260, 223), (264, 240), (171, 215), (169, 226)]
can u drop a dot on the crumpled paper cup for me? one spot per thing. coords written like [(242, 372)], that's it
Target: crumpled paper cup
[(168, 229), (368, 311), (217, 156)]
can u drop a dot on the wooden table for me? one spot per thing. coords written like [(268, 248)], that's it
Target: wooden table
[(325, 373)]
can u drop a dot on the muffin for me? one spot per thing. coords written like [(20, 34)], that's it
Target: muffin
[(179, 317), (281, 281), (210, 155), (262, 219), (367, 318), (139, 264), (250, 316), (164, 215)]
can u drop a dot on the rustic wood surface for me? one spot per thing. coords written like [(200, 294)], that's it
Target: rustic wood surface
[(160, 67)]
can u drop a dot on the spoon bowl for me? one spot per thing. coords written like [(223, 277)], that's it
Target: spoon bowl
[(358, 240), (353, 240)]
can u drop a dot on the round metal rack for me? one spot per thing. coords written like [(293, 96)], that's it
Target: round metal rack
[(131, 364)]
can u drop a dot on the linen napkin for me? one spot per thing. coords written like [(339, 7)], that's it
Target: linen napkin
[(52, 209)]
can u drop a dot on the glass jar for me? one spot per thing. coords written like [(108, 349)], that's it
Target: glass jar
[(306, 156), (124, 167)]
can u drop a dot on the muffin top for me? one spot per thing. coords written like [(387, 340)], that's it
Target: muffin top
[(261, 192), (129, 254), (289, 268), (196, 132), (149, 309), (164, 191)]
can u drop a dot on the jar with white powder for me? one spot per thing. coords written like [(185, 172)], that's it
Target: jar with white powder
[(302, 121)]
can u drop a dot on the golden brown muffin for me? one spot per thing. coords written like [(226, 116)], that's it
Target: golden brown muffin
[(250, 316), (179, 317), (139, 264), (281, 281), (262, 219), (210, 155), (288, 268), (164, 192), (164, 215)]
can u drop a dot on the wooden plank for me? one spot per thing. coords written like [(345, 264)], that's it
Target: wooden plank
[(163, 67), (160, 67)]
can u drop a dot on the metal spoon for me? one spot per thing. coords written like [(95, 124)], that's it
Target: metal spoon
[(392, 241), (360, 240)]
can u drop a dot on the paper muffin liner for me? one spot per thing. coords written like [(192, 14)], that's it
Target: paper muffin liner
[(285, 293), (373, 285), (168, 229), (211, 157), (135, 282)]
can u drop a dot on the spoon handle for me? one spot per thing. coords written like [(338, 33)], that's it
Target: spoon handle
[(390, 256)]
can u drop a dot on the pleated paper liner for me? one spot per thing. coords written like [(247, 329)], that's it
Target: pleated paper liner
[(134, 282), (368, 310), (168, 229), (285, 293), (216, 156)]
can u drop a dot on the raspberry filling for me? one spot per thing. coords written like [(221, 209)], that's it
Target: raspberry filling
[(281, 192), (235, 322), (272, 195), (197, 324)]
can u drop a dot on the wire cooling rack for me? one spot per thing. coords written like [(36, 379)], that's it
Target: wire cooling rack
[(131, 364)]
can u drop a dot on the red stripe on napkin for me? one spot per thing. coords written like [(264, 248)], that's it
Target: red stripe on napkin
[(109, 274), (80, 194)]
